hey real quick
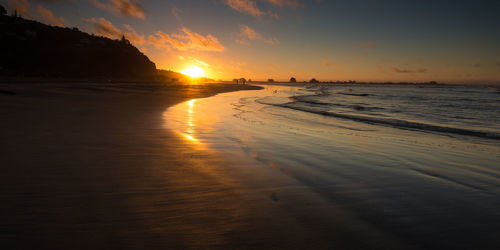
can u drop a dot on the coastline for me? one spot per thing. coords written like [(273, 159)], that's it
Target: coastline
[(356, 185), (95, 167), (99, 166), (87, 166)]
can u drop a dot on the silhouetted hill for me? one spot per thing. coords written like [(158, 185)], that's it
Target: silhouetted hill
[(30, 48)]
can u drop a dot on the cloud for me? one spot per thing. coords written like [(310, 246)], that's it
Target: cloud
[(54, 1), (365, 45), (245, 6), (21, 6), (404, 70), (248, 34), (177, 12), (105, 28), (199, 62), (327, 63), (187, 40), (273, 15), (130, 8), (284, 3), (48, 17)]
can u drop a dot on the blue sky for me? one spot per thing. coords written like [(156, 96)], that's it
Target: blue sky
[(363, 40)]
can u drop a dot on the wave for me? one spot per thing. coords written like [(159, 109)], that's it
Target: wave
[(353, 94), (312, 99), (393, 122)]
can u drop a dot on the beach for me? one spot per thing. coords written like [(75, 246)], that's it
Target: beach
[(88, 166), (132, 166), (361, 166)]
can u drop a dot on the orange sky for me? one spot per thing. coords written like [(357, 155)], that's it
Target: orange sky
[(329, 40)]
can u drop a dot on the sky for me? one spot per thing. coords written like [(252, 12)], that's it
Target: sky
[(362, 40)]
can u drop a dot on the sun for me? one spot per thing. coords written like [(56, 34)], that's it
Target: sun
[(194, 71)]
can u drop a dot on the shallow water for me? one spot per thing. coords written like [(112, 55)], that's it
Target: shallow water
[(419, 164)]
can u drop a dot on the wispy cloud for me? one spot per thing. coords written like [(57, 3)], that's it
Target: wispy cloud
[(405, 70), (130, 8), (199, 62), (248, 34), (176, 12), (48, 17), (365, 45), (21, 6), (283, 3), (245, 6), (39, 13), (105, 28), (327, 63), (187, 40)]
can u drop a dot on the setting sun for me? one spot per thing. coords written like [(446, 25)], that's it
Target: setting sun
[(194, 71)]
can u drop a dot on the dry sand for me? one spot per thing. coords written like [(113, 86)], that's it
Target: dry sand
[(91, 166)]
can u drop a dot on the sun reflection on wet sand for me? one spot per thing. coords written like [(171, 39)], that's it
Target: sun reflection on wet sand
[(188, 133), (191, 119)]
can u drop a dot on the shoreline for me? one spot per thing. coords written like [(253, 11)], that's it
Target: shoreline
[(98, 166), (91, 168)]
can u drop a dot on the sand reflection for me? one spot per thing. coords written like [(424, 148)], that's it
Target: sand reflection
[(191, 120)]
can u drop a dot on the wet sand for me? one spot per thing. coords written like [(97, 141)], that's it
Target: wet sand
[(93, 167)]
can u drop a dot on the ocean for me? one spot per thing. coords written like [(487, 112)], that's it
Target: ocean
[(419, 163)]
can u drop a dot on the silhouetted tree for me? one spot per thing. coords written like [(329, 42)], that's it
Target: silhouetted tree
[(249, 80), (313, 80), (293, 80), (270, 80), (124, 40), (243, 80), (235, 80), (3, 11)]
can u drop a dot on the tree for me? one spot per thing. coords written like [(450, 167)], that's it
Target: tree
[(3, 11), (313, 80), (235, 80), (270, 80), (243, 80), (293, 80), (124, 40)]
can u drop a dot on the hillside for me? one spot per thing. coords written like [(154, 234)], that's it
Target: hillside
[(33, 49)]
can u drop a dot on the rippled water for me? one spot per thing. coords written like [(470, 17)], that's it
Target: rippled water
[(418, 163)]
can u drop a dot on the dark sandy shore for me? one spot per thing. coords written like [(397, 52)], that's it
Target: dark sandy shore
[(92, 167)]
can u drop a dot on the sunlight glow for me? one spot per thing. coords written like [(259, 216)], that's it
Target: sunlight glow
[(190, 122), (194, 71)]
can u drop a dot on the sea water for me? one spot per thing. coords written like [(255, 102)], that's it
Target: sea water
[(421, 163)]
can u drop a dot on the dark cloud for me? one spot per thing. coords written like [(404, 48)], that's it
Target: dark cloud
[(365, 45), (103, 27), (283, 3), (130, 8), (405, 70)]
